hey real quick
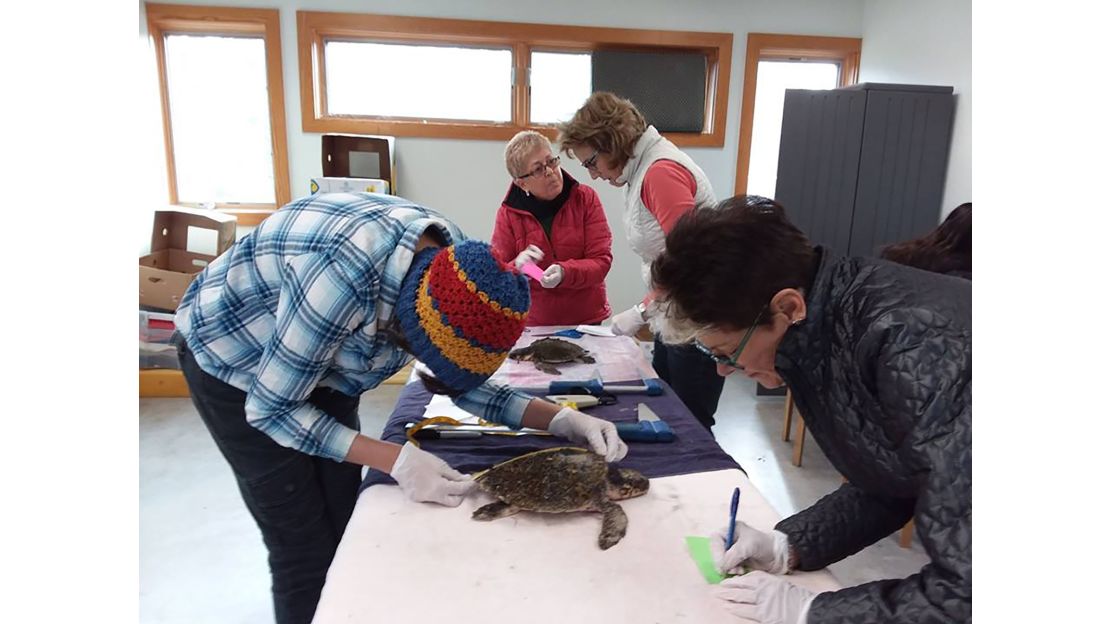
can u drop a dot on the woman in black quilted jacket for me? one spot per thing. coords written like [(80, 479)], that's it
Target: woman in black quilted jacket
[(878, 358)]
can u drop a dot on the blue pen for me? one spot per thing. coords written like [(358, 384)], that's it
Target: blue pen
[(732, 517)]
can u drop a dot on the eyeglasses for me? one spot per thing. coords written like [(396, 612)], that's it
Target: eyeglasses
[(551, 163), (731, 360), (591, 162)]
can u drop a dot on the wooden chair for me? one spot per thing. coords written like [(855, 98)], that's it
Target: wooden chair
[(905, 536), (799, 435)]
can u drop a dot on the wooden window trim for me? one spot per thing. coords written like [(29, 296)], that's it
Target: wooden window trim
[(314, 27), (163, 19), (762, 47)]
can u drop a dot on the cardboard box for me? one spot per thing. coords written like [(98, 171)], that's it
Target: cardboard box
[(166, 272), (349, 185), (359, 156)]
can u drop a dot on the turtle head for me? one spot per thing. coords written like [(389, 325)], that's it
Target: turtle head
[(626, 483)]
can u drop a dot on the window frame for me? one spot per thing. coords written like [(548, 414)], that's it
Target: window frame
[(175, 19), (774, 47), (314, 28)]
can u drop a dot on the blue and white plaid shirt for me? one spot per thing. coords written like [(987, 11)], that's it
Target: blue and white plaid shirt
[(297, 303)]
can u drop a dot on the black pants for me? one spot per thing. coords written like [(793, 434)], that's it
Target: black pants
[(692, 375), (301, 503)]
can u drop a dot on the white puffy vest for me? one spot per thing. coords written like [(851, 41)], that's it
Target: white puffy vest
[(645, 235)]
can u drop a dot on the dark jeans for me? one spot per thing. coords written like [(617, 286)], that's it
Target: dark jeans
[(301, 503), (692, 375)]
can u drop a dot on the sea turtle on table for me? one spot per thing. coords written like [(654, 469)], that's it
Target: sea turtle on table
[(562, 480), (547, 352)]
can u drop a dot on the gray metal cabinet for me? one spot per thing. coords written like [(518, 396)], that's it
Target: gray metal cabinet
[(862, 167)]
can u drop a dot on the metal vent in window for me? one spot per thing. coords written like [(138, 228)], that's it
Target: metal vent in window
[(667, 87)]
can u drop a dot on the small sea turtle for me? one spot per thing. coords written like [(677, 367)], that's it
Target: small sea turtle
[(562, 480), (547, 352)]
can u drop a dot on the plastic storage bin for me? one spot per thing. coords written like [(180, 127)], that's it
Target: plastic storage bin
[(155, 350), (155, 327), (153, 355)]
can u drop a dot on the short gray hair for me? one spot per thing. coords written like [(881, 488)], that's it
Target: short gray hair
[(669, 326), (520, 146)]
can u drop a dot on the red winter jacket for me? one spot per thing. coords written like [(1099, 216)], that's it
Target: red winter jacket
[(580, 242)]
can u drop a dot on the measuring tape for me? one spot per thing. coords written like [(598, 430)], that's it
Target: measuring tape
[(443, 420), (410, 433)]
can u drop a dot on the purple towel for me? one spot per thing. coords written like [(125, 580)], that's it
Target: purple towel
[(694, 449)]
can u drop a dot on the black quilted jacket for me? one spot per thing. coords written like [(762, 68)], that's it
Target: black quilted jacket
[(881, 372)]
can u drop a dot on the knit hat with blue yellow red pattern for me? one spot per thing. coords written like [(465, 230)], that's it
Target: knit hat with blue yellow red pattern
[(461, 311)]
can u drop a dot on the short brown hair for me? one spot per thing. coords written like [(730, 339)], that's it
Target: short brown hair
[(722, 265), (607, 123)]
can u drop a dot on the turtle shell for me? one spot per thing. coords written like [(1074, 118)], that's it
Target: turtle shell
[(552, 480), (551, 350)]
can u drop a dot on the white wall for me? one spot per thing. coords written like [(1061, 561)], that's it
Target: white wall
[(926, 43), (467, 179)]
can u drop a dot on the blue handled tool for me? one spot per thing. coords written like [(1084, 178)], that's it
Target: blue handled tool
[(647, 429), (733, 506), (564, 333), (581, 401), (650, 387)]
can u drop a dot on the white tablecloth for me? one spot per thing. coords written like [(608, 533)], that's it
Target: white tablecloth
[(401, 561)]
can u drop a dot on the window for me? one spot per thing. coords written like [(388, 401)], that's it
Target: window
[(775, 63), (560, 83), (223, 108), (775, 77), (667, 87), (478, 79), (407, 76)]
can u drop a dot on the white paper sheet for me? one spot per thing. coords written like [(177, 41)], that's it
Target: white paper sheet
[(441, 405), (401, 561), (597, 330), (618, 358)]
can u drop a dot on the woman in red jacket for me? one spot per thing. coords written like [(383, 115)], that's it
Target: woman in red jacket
[(549, 218)]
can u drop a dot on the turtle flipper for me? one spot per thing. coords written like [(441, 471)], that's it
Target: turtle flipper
[(495, 510), (547, 368), (613, 525)]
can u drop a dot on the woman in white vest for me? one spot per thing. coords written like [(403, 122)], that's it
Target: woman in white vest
[(611, 139)]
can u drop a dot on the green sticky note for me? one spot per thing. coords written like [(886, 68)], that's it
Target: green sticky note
[(698, 547)]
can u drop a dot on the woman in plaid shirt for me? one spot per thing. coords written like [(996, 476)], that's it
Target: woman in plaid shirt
[(327, 298)]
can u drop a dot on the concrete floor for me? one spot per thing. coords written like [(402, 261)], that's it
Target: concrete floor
[(202, 559)]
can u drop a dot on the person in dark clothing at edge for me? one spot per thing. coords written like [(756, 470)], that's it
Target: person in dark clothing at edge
[(878, 358), (947, 249)]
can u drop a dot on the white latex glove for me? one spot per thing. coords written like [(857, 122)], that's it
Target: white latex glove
[(752, 549), (600, 435), (552, 276), (628, 322), (426, 478), (531, 253), (760, 597)]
